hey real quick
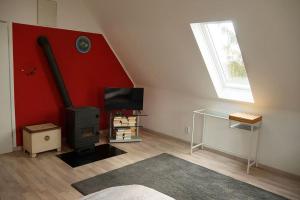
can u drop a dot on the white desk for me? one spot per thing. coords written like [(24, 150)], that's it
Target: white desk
[(251, 128)]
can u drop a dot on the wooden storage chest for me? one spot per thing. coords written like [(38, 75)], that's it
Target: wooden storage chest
[(40, 138)]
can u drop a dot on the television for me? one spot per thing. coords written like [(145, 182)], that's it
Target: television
[(123, 98)]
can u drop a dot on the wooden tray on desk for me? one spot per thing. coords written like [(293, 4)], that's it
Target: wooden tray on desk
[(245, 117)]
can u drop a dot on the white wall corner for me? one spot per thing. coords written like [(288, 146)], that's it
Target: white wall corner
[(120, 61), (93, 16), (11, 74)]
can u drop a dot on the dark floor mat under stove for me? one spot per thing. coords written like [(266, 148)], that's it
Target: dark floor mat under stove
[(101, 152)]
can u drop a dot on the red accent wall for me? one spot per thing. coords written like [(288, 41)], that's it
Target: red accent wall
[(86, 75)]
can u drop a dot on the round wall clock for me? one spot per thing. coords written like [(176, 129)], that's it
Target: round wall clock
[(83, 44)]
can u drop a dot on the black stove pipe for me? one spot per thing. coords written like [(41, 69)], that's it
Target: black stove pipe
[(44, 43)]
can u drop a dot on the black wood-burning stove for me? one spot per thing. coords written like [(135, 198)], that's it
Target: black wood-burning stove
[(82, 123), (82, 127)]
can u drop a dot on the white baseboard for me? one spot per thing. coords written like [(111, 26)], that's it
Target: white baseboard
[(18, 148)]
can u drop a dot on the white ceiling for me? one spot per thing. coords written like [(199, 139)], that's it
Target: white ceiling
[(154, 41)]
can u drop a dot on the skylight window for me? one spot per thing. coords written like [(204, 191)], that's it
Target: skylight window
[(223, 58)]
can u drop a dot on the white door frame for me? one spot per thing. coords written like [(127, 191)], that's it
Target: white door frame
[(12, 89), (11, 83)]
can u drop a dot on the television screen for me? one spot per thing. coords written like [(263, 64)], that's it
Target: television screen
[(123, 98)]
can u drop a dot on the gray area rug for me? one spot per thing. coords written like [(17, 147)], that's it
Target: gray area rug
[(177, 178)]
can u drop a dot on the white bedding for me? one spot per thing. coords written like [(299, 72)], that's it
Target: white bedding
[(127, 192)]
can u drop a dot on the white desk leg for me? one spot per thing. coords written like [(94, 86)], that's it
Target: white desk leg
[(203, 130), (257, 147), (250, 150), (192, 135)]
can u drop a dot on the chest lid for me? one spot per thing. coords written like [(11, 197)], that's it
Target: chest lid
[(41, 127)]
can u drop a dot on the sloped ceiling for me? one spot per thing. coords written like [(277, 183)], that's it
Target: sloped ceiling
[(155, 43)]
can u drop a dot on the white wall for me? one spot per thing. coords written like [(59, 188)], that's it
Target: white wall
[(5, 106), (171, 111), (71, 14), (155, 42)]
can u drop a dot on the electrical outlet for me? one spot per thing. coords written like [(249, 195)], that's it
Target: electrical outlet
[(187, 129)]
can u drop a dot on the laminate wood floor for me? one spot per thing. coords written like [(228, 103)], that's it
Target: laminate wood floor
[(47, 177)]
